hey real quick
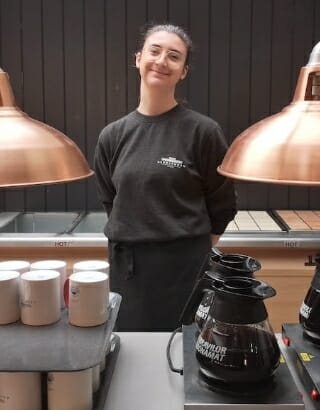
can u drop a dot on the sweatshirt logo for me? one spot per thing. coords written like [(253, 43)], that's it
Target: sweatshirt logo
[(171, 162)]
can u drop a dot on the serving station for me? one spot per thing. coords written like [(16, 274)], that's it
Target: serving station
[(285, 243)]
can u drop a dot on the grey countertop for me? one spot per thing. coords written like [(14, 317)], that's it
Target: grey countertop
[(142, 379)]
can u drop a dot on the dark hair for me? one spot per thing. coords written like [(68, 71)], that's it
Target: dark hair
[(169, 28)]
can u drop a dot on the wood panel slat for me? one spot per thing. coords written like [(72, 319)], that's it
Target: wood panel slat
[(53, 86), (281, 90), (11, 62), (95, 91), (136, 18), (178, 14), (32, 64), (219, 69), (257, 193), (116, 59), (240, 50), (74, 58), (316, 22), (301, 48), (198, 95), (314, 193), (157, 12)]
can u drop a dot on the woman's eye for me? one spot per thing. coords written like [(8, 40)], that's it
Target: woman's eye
[(174, 57), (154, 52)]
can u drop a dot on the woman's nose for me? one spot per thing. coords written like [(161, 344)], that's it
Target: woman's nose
[(162, 59)]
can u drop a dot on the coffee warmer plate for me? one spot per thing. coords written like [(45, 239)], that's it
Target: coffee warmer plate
[(283, 395), (307, 359)]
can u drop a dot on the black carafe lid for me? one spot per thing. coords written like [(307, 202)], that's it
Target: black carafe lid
[(315, 283), (239, 300), (216, 266), (223, 264)]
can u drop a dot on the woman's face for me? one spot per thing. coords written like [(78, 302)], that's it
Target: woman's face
[(161, 62)]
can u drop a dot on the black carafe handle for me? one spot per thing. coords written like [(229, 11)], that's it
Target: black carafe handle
[(202, 285)]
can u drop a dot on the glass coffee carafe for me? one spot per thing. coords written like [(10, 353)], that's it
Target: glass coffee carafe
[(236, 344), (222, 266), (309, 315)]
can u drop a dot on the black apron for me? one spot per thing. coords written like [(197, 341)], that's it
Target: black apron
[(155, 280)]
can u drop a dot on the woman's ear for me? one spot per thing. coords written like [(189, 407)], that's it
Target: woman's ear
[(138, 58), (184, 72)]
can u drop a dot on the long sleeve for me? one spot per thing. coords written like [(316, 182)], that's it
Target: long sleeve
[(105, 186), (220, 195)]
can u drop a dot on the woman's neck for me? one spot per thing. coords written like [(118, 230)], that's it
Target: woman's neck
[(153, 102)]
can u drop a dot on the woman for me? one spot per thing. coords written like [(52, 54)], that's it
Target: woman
[(157, 179)]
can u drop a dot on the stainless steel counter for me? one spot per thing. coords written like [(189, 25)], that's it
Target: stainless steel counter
[(72, 229), (142, 379)]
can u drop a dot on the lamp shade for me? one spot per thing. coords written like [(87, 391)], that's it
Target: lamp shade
[(283, 148), (32, 152)]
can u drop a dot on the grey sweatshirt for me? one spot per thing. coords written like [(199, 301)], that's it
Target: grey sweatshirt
[(157, 177)]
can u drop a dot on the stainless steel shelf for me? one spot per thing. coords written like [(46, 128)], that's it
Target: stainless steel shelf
[(68, 229)]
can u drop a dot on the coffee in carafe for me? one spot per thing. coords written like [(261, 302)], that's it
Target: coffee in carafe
[(237, 354)]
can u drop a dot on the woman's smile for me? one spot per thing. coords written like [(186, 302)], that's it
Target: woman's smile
[(159, 72)]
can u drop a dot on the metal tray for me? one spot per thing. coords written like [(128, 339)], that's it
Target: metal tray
[(57, 347), (40, 223), (91, 224)]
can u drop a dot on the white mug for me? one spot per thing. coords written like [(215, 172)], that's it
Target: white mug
[(16, 265), (99, 265), (87, 298), (40, 297), (9, 297), (92, 265), (70, 390), (57, 265), (20, 391)]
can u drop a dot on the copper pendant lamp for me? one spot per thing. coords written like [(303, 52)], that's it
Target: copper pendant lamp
[(32, 152), (283, 148)]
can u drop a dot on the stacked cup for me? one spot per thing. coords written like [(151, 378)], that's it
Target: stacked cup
[(87, 298), (56, 265), (33, 293), (70, 390), (15, 265), (88, 293), (40, 297), (15, 387), (10, 272), (20, 391), (9, 297)]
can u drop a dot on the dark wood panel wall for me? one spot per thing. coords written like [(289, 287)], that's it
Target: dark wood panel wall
[(71, 64)]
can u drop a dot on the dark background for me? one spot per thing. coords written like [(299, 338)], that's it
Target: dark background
[(71, 65)]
